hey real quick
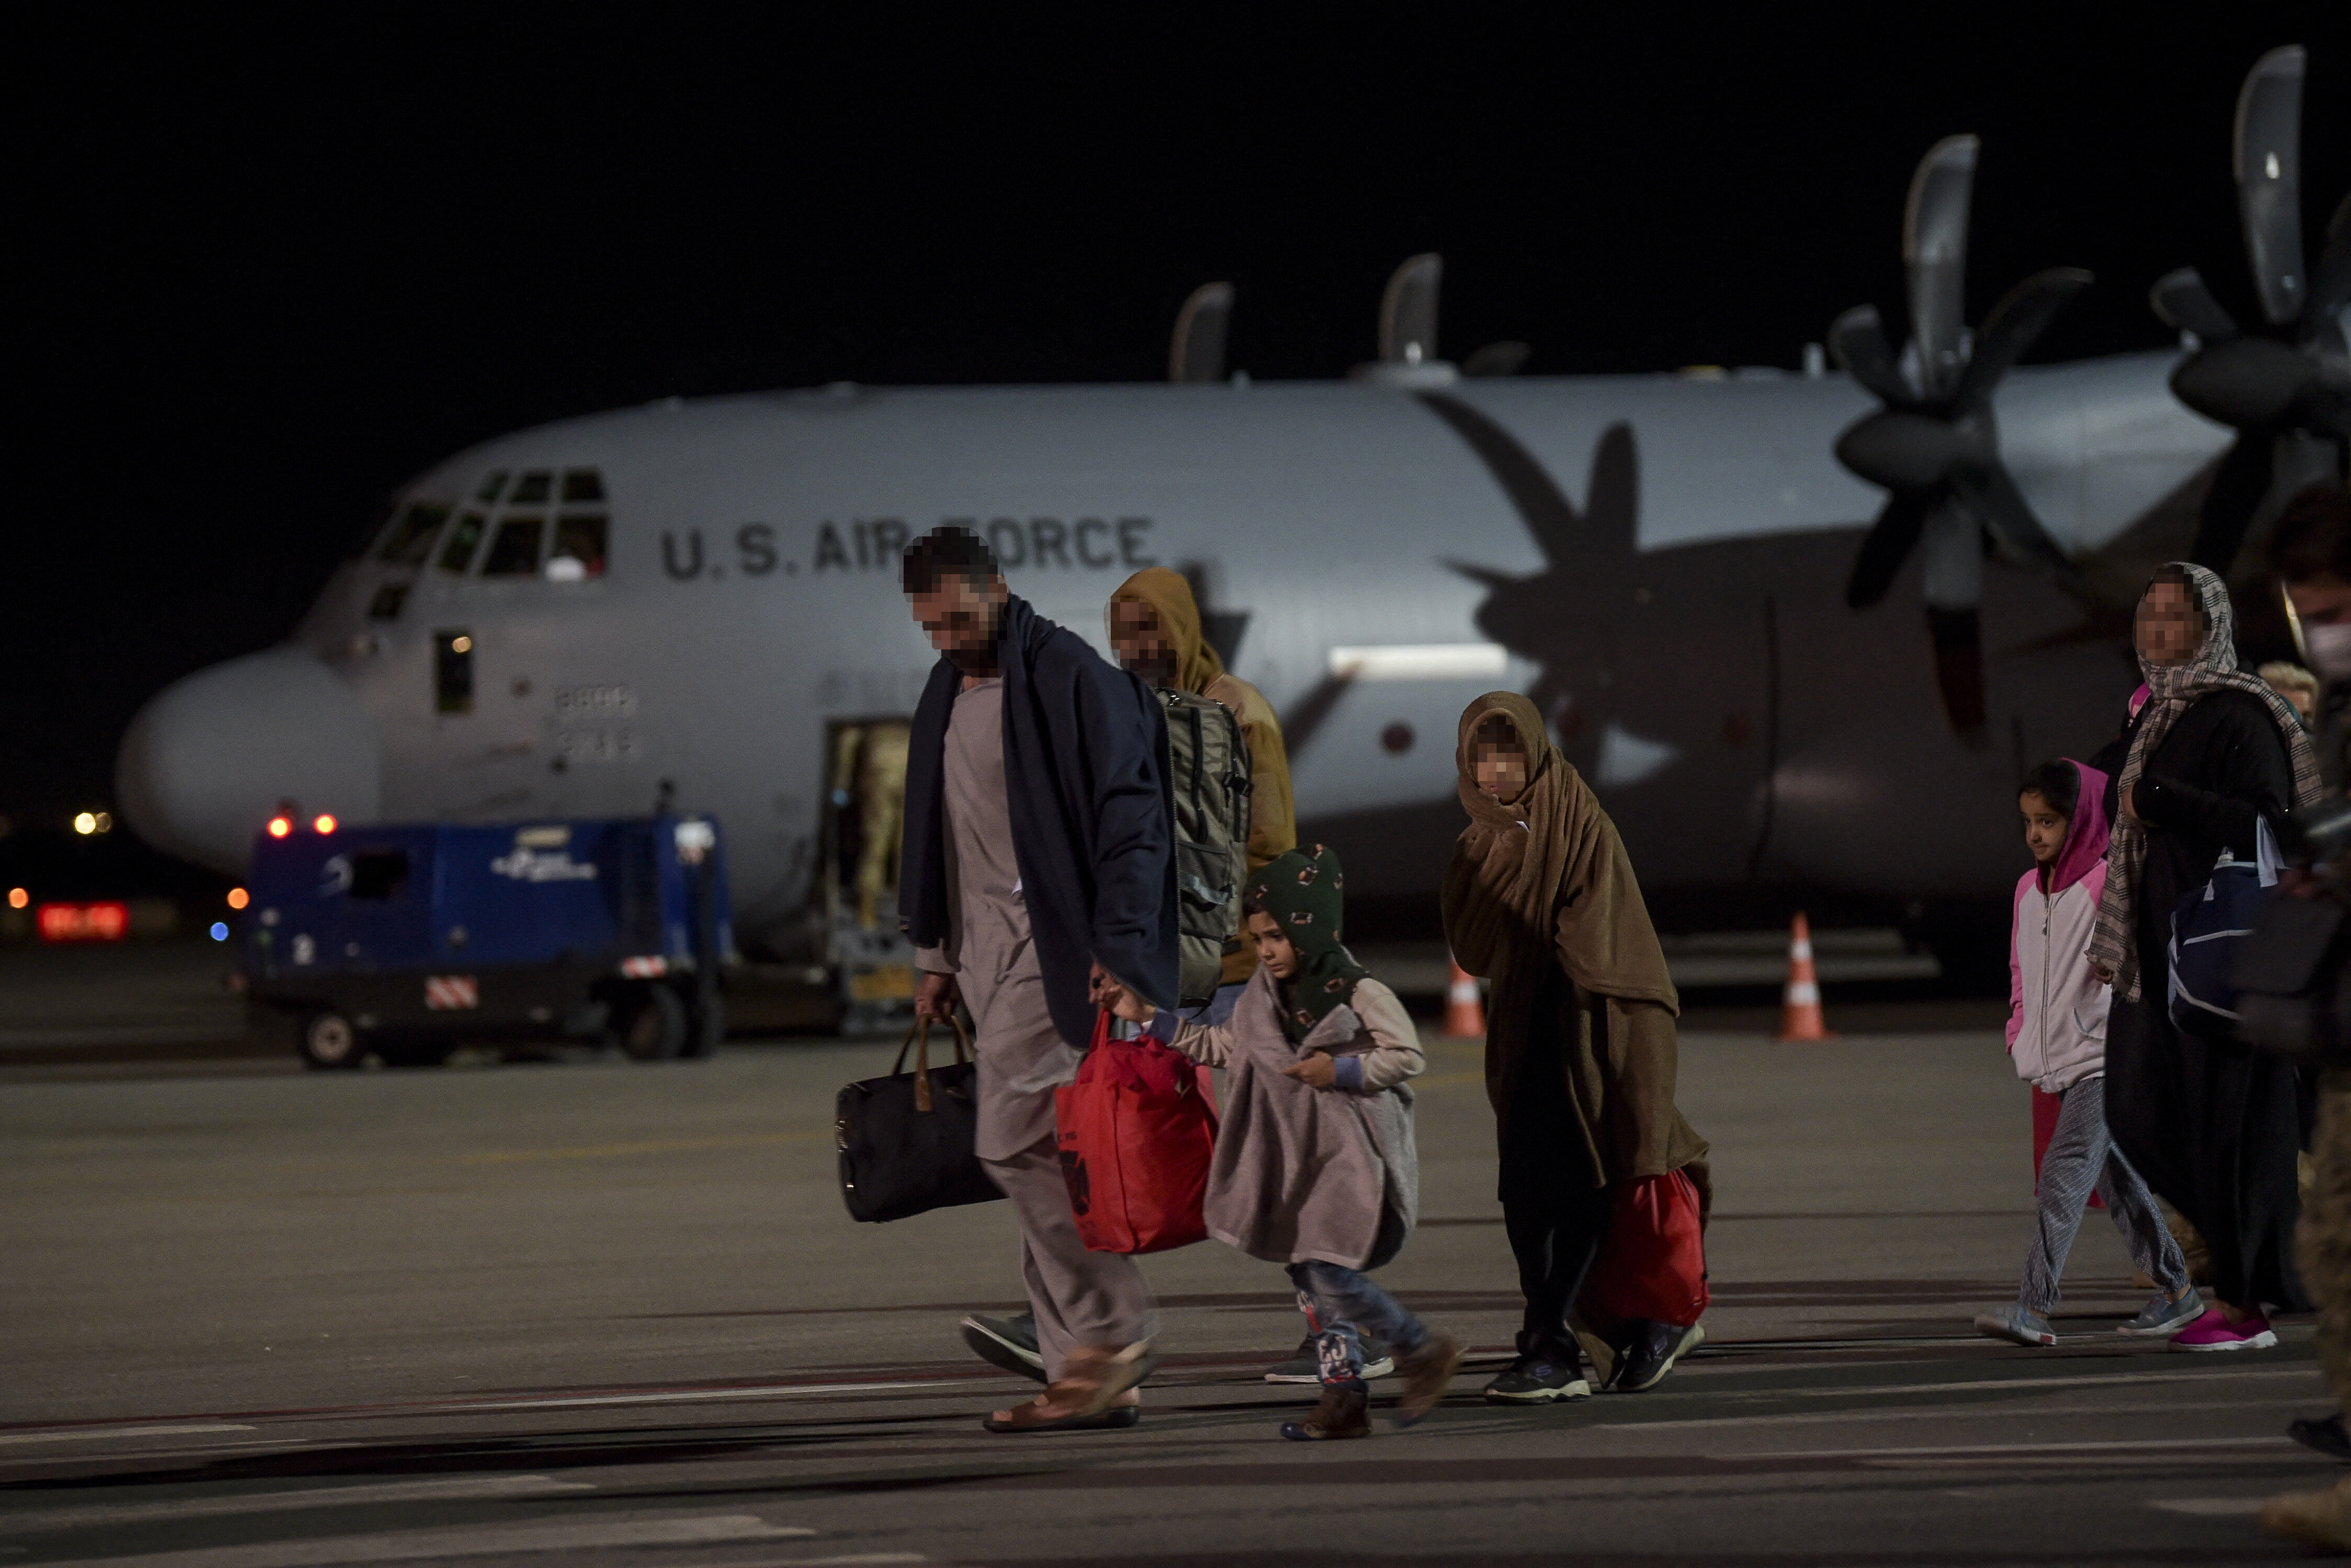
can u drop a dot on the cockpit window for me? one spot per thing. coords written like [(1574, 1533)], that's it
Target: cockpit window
[(582, 484), (532, 489), (515, 552), (578, 551), (458, 553), (408, 540), (491, 486)]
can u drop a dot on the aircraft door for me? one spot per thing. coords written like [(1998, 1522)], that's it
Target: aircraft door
[(865, 794)]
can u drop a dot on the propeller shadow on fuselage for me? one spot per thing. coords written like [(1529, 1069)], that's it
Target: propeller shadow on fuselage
[(1756, 741)]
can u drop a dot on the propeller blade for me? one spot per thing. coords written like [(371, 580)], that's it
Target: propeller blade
[(1409, 311), (2022, 314), (2235, 493), (1958, 637), (2330, 281), (1195, 352), (2269, 180), (1886, 546), (1496, 360), (2183, 303), (1992, 496), (1934, 252), (1857, 338)]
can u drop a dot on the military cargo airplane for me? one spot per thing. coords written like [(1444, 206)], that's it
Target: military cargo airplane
[(695, 598)]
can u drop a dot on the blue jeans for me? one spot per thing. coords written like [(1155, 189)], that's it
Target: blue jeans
[(1344, 1304)]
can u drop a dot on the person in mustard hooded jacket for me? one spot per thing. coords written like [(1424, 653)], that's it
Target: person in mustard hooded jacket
[(1156, 631)]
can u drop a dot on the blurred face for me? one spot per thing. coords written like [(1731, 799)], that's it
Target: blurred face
[(963, 616), (2044, 830), (2302, 699), (2324, 607), (2169, 626), (1273, 948), (1143, 649), (1501, 769)]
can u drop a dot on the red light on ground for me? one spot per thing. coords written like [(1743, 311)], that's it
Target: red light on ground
[(18, 898), (102, 921), (279, 826), (238, 898), (323, 823)]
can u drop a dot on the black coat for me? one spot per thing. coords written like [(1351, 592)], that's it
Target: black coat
[(1092, 817), (2213, 1129)]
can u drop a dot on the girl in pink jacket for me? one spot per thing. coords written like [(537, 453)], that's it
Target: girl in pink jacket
[(2057, 1039)]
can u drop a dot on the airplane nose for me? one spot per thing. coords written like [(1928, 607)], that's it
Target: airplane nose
[(207, 760)]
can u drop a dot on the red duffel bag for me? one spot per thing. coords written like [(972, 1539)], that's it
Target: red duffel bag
[(1135, 1133), (1653, 1264)]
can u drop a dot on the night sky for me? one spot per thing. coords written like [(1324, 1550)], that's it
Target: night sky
[(271, 271)]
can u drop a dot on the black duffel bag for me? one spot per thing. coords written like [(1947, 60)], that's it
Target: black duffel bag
[(905, 1141)]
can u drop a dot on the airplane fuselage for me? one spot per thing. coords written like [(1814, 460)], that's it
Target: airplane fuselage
[(1682, 614)]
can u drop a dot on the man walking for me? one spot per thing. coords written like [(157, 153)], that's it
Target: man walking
[(1036, 857)]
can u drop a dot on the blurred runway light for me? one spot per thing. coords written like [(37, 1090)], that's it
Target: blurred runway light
[(238, 898), (220, 930), (18, 897)]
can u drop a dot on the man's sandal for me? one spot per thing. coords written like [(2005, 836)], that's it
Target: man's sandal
[(1085, 1398)]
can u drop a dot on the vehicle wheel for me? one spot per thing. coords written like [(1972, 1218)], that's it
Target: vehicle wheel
[(416, 1053), (652, 1025), (706, 1028), (326, 1040)]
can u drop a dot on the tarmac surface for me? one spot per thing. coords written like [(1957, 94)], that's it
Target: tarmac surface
[(601, 1314)]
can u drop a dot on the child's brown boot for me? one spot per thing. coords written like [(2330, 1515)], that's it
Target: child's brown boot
[(1425, 1369), (1344, 1412)]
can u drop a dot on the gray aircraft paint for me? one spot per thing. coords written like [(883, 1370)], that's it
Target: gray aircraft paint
[(1739, 721)]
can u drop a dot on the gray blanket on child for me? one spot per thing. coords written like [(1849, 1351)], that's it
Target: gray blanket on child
[(1302, 1173)]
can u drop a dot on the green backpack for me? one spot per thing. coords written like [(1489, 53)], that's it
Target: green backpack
[(1209, 772)]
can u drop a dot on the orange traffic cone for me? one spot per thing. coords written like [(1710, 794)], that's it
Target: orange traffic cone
[(1800, 1014), (1465, 1005)]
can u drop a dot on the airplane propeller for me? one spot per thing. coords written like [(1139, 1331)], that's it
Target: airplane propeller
[(2291, 379), (1195, 350), (1933, 446)]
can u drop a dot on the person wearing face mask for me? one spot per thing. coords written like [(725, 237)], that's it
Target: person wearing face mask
[(2214, 1130), (2311, 553), (1580, 1052)]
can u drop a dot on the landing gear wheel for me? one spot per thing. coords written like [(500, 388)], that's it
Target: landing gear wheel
[(709, 1027), (326, 1040), (652, 1025)]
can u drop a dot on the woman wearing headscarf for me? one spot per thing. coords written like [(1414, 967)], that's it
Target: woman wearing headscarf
[(1581, 1053), (2214, 1130)]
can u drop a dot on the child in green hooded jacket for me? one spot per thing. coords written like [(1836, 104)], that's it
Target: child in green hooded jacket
[(1315, 1166)]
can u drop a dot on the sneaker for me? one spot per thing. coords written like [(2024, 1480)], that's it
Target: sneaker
[(1344, 1412), (1655, 1349), (2214, 1331), (1542, 1379), (1007, 1343), (2018, 1323), (2165, 1317), (1302, 1368), (2325, 1433)]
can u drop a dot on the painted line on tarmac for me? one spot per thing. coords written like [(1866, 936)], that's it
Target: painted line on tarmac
[(568, 1402), (77, 1434), (451, 1489), (466, 1540), (467, 1405), (1957, 1449), (1940, 1412), (2210, 1507)]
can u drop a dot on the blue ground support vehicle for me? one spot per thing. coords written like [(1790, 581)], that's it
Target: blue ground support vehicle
[(408, 939)]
